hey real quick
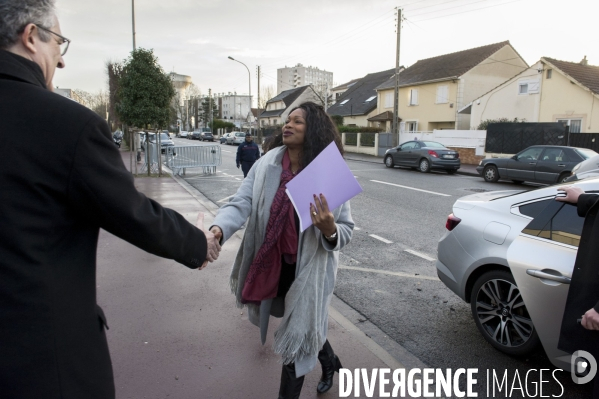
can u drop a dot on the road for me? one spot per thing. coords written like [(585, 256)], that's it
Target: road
[(388, 271)]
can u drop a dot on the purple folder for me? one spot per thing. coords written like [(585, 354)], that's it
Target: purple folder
[(327, 174)]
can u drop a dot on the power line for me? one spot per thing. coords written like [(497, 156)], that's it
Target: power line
[(464, 12), (449, 8)]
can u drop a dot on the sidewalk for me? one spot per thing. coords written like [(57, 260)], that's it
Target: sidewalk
[(469, 170), (176, 333)]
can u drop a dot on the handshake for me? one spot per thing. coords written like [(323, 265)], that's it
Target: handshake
[(213, 237)]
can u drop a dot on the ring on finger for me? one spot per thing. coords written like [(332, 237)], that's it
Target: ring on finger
[(314, 213)]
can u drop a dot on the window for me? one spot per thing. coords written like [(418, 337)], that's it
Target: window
[(442, 94), (549, 73), (534, 208), (557, 222), (412, 126), (408, 146), (523, 88), (389, 100), (575, 124), (531, 154), (344, 101), (554, 155), (413, 97), (369, 99)]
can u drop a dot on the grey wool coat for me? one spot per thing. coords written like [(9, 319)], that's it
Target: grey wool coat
[(303, 330)]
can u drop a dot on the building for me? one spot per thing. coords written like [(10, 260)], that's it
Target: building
[(235, 108), (433, 90), (299, 75), (70, 94), (549, 91), (279, 107), (359, 101), (337, 91)]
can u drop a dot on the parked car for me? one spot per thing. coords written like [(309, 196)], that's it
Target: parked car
[(547, 164), (223, 138), (165, 141), (587, 168), (195, 135), (183, 134), (510, 254), (206, 136), (236, 138), (424, 156)]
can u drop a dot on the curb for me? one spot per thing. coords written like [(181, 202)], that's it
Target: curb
[(376, 161)]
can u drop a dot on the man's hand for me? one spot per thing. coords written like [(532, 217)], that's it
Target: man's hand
[(590, 320), (213, 242), (572, 194), (218, 233), (237, 166)]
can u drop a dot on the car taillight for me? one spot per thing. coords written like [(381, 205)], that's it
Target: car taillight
[(433, 153), (457, 154), (452, 222)]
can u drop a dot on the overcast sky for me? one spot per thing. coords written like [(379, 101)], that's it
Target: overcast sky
[(347, 37)]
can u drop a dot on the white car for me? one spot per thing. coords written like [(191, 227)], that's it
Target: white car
[(236, 138), (183, 134), (587, 168), (510, 254)]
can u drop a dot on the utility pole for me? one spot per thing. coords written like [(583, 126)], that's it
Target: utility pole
[(133, 19), (258, 109), (210, 110), (395, 127), (326, 97)]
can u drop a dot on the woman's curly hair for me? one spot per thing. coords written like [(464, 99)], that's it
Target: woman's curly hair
[(320, 132)]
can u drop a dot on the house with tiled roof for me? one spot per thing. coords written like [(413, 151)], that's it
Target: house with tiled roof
[(337, 91), (278, 107), (359, 101), (549, 91), (432, 90)]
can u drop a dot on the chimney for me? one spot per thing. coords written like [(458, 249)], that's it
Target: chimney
[(584, 61)]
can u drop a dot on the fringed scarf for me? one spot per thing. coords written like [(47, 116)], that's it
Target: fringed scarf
[(280, 239)]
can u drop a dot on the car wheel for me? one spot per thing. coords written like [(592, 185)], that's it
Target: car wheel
[(501, 315), (424, 166), (563, 177), (389, 161), (490, 174)]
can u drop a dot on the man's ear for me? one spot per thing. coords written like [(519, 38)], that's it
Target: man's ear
[(29, 38)]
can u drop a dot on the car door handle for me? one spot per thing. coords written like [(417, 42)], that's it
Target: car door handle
[(547, 276), (561, 165), (532, 163)]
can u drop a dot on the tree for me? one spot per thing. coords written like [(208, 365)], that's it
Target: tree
[(266, 93), (205, 109), (337, 119), (484, 124), (115, 71), (220, 124), (145, 91)]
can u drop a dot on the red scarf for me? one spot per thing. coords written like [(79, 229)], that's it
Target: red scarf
[(262, 280)]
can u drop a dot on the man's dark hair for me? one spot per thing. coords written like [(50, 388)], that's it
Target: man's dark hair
[(15, 15), (320, 132)]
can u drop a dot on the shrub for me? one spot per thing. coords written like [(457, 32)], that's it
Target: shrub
[(351, 139), (359, 129)]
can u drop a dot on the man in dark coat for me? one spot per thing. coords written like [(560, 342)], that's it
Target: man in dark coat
[(247, 153), (583, 294), (61, 180)]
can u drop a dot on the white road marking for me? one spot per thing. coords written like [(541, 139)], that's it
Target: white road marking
[(381, 239), (398, 274), (411, 188), (224, 199), (226, 151), (357, 228), (423, 256), (237, 178)]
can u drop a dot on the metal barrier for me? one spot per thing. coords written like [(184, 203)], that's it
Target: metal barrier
[(178, 159)]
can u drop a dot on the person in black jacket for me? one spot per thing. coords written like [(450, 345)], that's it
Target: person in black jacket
[(247, 153), (53, 202), (580, 323)]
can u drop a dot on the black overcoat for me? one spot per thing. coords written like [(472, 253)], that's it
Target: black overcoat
[(61, 180), (584, 287)]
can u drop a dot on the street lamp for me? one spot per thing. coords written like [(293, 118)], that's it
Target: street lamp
[(250, 87)]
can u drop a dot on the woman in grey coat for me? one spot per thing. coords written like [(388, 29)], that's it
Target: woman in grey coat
[(278, 270)]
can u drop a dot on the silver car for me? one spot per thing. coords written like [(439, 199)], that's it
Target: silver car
[(510, 254)]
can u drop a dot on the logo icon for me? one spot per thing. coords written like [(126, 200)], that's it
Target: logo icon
[(583, 367)]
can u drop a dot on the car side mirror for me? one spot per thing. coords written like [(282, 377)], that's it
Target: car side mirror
[(398, 149), (515, 157)]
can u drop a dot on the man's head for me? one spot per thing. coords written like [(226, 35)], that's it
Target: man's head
[(29, 28), (248, 137)]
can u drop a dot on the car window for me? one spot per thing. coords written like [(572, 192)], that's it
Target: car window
[(557, 222), (534, 208), (239, 134), (531, 154), (586, 153), (554, 155), (433, 144), (408, 146)]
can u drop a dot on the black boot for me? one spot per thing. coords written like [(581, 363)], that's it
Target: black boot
[(291, 386), (330, 363)]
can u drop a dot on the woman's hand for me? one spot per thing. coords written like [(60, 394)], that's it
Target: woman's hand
[(321, 216)]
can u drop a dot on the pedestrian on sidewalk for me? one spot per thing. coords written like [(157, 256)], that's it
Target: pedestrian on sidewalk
[(248, 152), (580, 322), (53, 202), (280, 271)]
